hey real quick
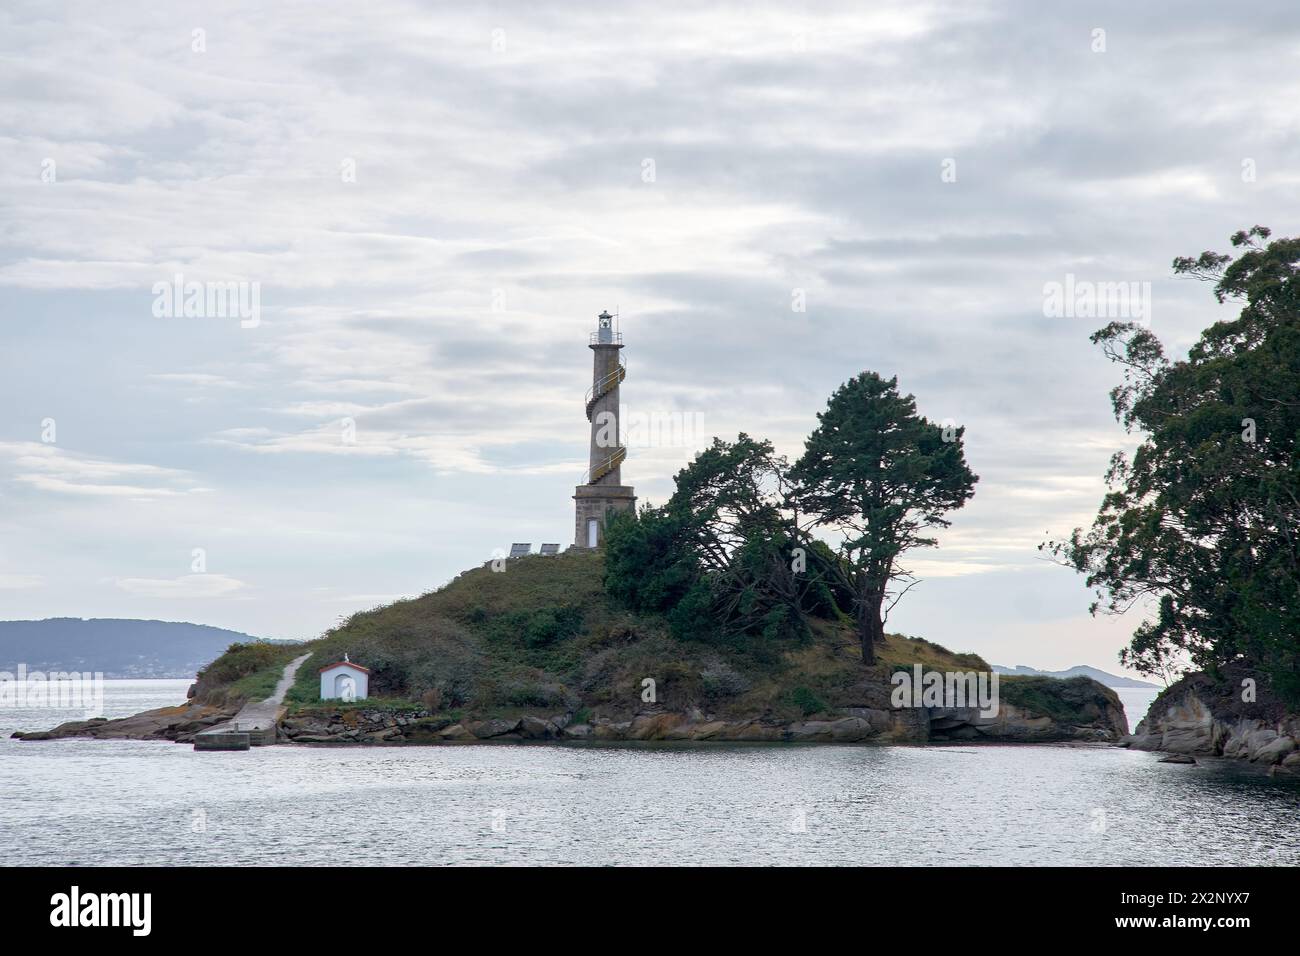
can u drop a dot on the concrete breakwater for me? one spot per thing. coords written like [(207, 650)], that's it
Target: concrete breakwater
[(256, 723)]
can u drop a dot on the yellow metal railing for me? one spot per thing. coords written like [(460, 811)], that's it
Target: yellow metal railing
[(605, 467), (605, 386)]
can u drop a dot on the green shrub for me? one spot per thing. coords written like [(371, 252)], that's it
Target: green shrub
[(538, 628), (692, 618), (524, 694), (806, 701), (244, 660), (648, 567)]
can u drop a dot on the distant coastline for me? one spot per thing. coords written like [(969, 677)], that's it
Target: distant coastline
[(118, 648), (1105, 678)]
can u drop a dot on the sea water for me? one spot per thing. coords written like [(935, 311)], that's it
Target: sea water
[(91, 802)]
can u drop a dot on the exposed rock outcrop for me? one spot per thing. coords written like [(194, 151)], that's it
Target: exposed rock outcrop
[(178, 723), (1204, 716), (1012, 724), (1098, 717), (361, 725)]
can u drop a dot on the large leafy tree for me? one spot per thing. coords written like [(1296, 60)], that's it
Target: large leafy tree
[(883, 477), (733, 493), (1204, 518), (647, 566), (718, 557), (744, 533)]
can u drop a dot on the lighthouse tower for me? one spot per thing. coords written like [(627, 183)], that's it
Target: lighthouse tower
[(603, 490)]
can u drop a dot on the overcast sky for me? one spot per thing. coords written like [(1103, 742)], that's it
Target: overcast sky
[(436, 202)]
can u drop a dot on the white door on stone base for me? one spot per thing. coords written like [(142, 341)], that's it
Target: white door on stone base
[(593, 532)]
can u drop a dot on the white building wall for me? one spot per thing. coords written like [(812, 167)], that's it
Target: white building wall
[(329, 681)]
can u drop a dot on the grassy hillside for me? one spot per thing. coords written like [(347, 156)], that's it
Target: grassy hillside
[(542, 636), (1070, 700), (246, 671)]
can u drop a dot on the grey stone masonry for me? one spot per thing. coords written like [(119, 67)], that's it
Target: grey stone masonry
[(604, 490), (593, 503)]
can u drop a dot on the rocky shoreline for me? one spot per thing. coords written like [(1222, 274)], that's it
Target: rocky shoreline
[(180, 724), (1204, 717), (857, 725), (361, 725)]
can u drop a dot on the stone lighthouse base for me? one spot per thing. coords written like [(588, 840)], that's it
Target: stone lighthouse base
[(593, 502)]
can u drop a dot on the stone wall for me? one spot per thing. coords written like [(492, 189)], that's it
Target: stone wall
[(353, 725), (594, 501)]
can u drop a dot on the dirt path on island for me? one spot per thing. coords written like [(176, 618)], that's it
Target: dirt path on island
[(286, 681), (261, 716)]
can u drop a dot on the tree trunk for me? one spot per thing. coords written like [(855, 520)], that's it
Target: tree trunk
[(865, 635), (871, 630)]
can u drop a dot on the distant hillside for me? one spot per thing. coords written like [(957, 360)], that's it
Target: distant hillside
[(1081, 670), (117, 647)]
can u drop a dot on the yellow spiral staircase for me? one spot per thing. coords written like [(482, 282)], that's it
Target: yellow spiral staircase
[(595, 394)]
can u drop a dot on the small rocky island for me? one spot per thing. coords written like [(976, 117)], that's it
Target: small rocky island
[(716, 617), (538, 651)]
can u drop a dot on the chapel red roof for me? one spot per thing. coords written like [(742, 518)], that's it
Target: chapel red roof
[(345, 664)]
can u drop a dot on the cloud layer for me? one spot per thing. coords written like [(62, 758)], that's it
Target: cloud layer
[(435, 203)]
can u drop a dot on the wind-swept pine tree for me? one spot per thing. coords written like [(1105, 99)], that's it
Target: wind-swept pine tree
[(882, 476)]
